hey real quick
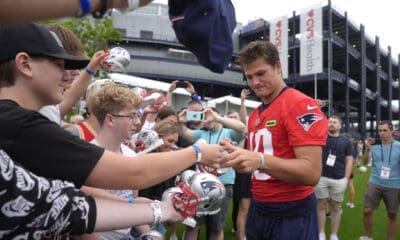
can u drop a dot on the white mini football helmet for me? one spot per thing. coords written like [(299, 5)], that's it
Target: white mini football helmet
[(117, 60), (151, 235), (140, 91), (146, 141), (183, 199), (210, 190), (185, 176)]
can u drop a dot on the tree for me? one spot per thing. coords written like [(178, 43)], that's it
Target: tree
[(95, 34)]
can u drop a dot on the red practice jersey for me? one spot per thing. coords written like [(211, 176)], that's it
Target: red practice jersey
[(292, 119)]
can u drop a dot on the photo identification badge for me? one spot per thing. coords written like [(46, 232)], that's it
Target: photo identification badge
[(385, 172), (331, 160)]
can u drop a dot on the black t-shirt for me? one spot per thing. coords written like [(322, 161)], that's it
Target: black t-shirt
[(340, 147), (44, 147)]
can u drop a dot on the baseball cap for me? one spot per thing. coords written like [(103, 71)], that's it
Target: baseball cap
[(205, 28), (35, 39)]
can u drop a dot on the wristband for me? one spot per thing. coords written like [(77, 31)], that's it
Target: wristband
[(196, 98), (157, 212), (262, 161), (89, 72), (198, 152), (84, 8), (131, 200), (132, 5)]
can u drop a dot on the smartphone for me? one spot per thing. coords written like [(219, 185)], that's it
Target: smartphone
[(195, 116), (181, 84)]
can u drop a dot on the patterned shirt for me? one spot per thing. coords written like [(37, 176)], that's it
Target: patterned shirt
[(33, 207)]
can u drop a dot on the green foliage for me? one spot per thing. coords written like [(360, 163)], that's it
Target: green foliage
[(95, 34)]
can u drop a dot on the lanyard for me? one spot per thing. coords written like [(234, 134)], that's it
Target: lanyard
[(390, 153), (334, 146), (219, 135)]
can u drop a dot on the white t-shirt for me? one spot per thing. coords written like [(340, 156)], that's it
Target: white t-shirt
[(126, 193), (52, 112)]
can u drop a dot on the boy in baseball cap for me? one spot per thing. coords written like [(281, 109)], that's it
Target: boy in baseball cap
[(36, 40), (33, 60)]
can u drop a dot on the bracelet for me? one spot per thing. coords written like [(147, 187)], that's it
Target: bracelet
[(84, 8), (157, 212), (131, 200), (132, 5), (89, 72), (102, 11), (198, 152), (262, 161)]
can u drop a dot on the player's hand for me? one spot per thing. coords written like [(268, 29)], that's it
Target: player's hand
[(242, 160)]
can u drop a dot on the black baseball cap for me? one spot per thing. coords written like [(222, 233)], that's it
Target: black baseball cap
[(35, 39)]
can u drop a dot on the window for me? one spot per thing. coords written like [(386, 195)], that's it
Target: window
[(146, 34)]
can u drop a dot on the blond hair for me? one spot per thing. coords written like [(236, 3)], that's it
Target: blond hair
[(112, 98), (166, 127)]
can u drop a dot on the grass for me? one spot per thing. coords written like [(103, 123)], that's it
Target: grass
[(351, 225)]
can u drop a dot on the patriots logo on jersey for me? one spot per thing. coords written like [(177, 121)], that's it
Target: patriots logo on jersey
[(308, 119)]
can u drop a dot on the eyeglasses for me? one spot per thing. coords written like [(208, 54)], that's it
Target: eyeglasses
[(133, 117)]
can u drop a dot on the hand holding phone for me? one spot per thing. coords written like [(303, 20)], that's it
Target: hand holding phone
[(195, 116), (181, 84)]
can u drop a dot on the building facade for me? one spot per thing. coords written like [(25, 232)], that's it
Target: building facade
[(358, 78)]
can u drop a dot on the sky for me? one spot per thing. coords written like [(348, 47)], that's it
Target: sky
[(378, 17)]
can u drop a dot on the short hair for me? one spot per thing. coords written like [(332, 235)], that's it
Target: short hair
[(72, 44), (256, 49), (7, 73), (389, 123), (112, 98), (337, 118), (93, 88), (166, 127), (191, 102)]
